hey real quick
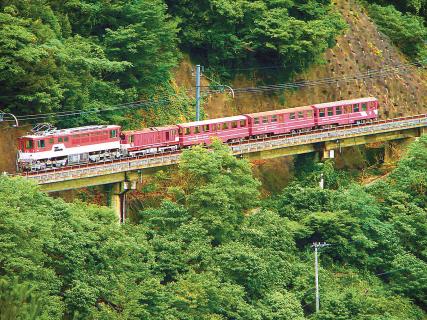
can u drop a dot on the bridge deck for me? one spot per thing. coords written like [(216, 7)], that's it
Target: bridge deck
[(252, 148)]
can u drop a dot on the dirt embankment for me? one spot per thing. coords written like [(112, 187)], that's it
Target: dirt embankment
[(8, 146)]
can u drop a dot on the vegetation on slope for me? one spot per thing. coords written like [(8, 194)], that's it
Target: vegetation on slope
[(210, 251), (83, 55), (229, 34), (407, 31)]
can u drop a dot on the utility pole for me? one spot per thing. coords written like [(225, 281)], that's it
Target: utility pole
[(198, 92), (317, 245)]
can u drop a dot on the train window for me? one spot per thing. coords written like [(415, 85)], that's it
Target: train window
[(29, 144), (280, 117), (242, 123), (132, 139), (234, 124), (51, 140), (338, 110), (330, 111), (196, 129), (300, 114), (40, 144), (225, 126), (274, 118), (364, 105), (206, 128), (66, 139), (356, 108), (256, 120), (187, 131), (309, 114), (113, 133), (264, 119), (60, 139), (180, 131), (321, 113), (292, 115)]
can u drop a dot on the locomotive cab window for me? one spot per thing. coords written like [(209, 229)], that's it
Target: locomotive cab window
[(29, 144), (364, 106), (40, 144), (330, 112), (338, 110), (292, 116), (113, 133), (356, 108), (274, 118), (321, 113)]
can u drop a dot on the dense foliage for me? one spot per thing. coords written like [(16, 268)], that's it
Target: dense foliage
[(227, 33), (213, 250), (80, 55), (408, 31)]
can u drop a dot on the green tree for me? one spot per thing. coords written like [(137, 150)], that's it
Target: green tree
[(219, 188)]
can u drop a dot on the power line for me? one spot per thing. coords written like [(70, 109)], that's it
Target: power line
[(370, 74), (252, 90)]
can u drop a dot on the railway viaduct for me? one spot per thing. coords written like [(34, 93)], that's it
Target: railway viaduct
[(123, 175)]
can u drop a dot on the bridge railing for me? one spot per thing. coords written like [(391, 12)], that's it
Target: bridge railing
[(245, 146)]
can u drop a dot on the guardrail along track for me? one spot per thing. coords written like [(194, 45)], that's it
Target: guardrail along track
[(238, 148)]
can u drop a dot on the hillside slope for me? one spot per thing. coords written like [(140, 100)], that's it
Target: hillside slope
[(361, 48)]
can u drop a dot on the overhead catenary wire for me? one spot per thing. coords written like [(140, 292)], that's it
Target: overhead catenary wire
[(370, 74)]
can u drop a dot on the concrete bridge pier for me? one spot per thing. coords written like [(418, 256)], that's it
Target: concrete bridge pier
[(116, 197)]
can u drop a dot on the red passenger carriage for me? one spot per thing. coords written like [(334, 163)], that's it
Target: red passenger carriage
[(150, 140), (346, 112), (226, 129), (281, 121)]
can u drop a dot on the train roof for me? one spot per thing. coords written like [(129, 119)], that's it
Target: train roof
[(151, 129), (211, 121), (279, 111), (71, 131), (343, 102)]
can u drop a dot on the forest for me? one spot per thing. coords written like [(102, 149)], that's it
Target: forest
[(203, 242), (95, 57), (211, 248)]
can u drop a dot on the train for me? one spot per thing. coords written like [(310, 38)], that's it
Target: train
[(97, 143)]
